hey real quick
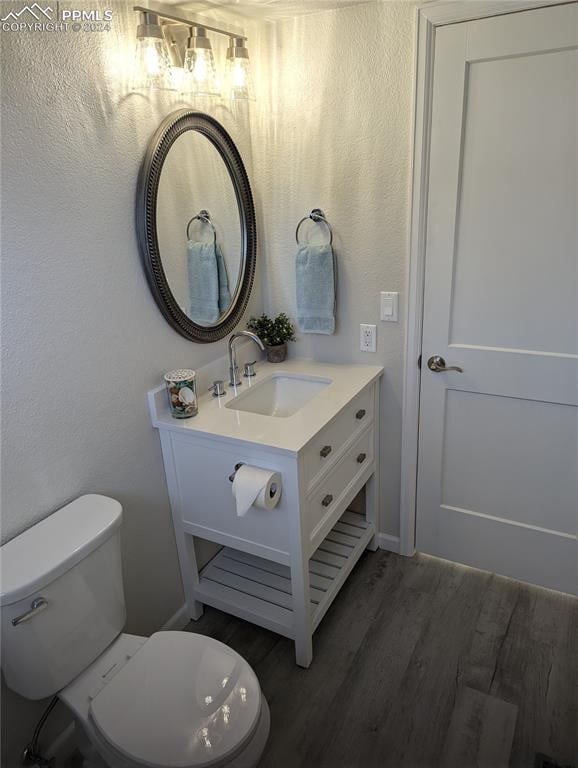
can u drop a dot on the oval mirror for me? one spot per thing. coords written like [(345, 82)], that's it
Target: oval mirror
[(196, 226)]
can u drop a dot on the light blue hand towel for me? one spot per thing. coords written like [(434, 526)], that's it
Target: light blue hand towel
[(203, 282), (315, 268), (208, 282), (224, 293)]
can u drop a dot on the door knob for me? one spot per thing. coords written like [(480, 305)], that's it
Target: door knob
[(437, 364)]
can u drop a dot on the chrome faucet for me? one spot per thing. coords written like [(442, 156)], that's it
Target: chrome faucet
[(234, 379)]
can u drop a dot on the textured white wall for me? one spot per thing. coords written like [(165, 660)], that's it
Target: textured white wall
[(334, 119), (82, 339)]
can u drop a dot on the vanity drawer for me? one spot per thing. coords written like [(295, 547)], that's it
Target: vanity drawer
[(327, 497), (326, 448)]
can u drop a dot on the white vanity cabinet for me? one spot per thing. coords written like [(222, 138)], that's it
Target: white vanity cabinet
[(282, 568)]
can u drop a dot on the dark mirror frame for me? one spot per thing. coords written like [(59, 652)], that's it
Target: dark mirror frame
[(168, 132)]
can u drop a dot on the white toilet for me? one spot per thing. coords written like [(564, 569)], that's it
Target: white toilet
[(176, 699)]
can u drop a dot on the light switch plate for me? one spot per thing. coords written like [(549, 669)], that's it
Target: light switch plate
[(389, 306), (367, 337)]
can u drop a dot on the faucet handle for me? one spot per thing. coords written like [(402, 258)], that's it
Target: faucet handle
[(218, 388), (250, 370)]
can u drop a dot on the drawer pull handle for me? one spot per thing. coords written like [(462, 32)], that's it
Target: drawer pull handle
[(325, 451), (327, 500), (361, 458), (360, 413)]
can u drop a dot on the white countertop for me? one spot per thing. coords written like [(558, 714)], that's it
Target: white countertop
[(286, 434)]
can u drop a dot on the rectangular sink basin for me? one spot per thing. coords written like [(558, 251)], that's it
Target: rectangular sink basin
[(280, 395)]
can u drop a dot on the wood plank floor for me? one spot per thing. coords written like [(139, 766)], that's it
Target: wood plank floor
[(420, 663)]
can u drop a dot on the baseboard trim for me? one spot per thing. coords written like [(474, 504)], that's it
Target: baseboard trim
[(178, 620), (391, 543)]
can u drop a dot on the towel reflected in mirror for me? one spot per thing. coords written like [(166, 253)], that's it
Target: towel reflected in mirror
[(209, 293)]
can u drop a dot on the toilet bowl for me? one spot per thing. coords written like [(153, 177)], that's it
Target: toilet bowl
[(174, 700)]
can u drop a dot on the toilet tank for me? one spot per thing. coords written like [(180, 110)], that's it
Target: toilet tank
[(61, 595)]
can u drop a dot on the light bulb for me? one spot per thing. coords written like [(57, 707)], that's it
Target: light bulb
[(199, 66), (151, 56), (239, 76), (238, 70)]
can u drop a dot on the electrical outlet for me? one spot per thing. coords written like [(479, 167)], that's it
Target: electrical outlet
[(367, 337)]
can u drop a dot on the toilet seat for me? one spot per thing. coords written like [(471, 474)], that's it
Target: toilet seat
[(182, 701)]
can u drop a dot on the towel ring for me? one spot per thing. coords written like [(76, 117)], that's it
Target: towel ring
[(205, 217), (318, 217)]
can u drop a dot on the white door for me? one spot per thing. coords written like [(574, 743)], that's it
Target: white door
[(498, 442)]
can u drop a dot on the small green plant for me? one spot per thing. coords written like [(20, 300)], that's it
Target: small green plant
[(272, 332)]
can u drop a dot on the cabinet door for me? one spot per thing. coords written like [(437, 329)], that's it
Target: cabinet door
[(205, 500)]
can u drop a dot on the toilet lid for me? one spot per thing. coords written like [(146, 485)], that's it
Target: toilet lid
[(182, 701)]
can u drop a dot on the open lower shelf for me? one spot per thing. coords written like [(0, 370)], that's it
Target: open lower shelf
[(259, 590)]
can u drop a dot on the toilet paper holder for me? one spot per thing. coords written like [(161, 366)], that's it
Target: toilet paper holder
[(232, 475)]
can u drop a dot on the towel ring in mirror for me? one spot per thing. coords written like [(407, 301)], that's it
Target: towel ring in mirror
[(201, 142), (205, 218)]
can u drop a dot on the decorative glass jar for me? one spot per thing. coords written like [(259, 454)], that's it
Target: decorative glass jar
[(182, 393)]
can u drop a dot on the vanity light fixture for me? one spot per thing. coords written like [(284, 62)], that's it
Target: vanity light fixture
[(152, 62), (162, 64), (199, 67), (238, 70)]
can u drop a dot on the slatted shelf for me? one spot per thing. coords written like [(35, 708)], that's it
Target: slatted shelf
[(334, 548), (259, 590)]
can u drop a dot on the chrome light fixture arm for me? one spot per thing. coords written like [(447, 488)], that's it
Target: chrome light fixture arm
[(191, 20)]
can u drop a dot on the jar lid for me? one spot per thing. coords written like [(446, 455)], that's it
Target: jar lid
[(180, 374)]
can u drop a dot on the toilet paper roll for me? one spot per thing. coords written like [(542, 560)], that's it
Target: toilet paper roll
[(253, 486)]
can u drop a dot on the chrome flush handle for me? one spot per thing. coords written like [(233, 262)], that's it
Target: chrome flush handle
[(437, 364), (37, 605)]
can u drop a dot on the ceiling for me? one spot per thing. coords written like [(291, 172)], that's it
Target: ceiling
[(266, 9)]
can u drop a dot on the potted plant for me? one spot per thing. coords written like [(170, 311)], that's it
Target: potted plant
[(274, 334)]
